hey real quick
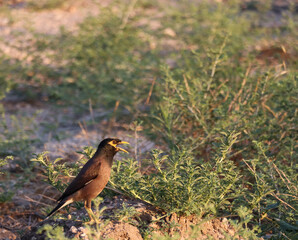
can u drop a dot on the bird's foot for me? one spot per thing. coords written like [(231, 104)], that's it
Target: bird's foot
[(93, 221)]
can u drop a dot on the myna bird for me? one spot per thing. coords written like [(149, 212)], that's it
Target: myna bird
[(92, 178)]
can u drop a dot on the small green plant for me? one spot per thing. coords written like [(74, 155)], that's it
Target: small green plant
[(52, 232), (125, 213), (6, 67), (53, 170), (242, 227), (4, 161), (7, 194)]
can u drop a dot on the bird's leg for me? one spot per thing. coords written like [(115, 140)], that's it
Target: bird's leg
[(92, 217)]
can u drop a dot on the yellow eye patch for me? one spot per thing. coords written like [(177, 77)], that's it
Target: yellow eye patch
[(113, 143)]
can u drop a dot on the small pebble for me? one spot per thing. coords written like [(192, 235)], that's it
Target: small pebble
[(83, 235), (73, 229)]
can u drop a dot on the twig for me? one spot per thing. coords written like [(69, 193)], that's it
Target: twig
[(274, 195), (9, 228), (150, 91), (186, 84), (45, 196), (283, 58), (279, 173), (91, 111), (130, 197), (115, 190), (285, 235), (84, 130), (217, 61), (112, 119), (270, 110), (42, 195), (32, 200)]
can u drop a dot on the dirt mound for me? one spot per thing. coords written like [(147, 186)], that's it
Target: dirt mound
[(121, 231), (192, 227)]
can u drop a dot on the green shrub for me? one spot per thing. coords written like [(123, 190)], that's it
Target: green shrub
[(180, 183)]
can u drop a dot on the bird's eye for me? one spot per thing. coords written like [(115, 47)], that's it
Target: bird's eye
[(114, 142)]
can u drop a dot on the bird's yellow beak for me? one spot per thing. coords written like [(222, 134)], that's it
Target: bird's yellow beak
[(121, 149)]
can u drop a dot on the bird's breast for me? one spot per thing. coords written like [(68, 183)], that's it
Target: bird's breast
[(96, 185), (92, 189)]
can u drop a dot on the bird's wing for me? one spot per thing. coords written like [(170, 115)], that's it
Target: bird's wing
[(85, 176)]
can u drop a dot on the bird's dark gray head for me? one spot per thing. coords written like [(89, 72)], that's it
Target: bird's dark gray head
[(111, 145)]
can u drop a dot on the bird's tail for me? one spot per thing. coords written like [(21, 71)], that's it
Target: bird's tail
[(60, 205)]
